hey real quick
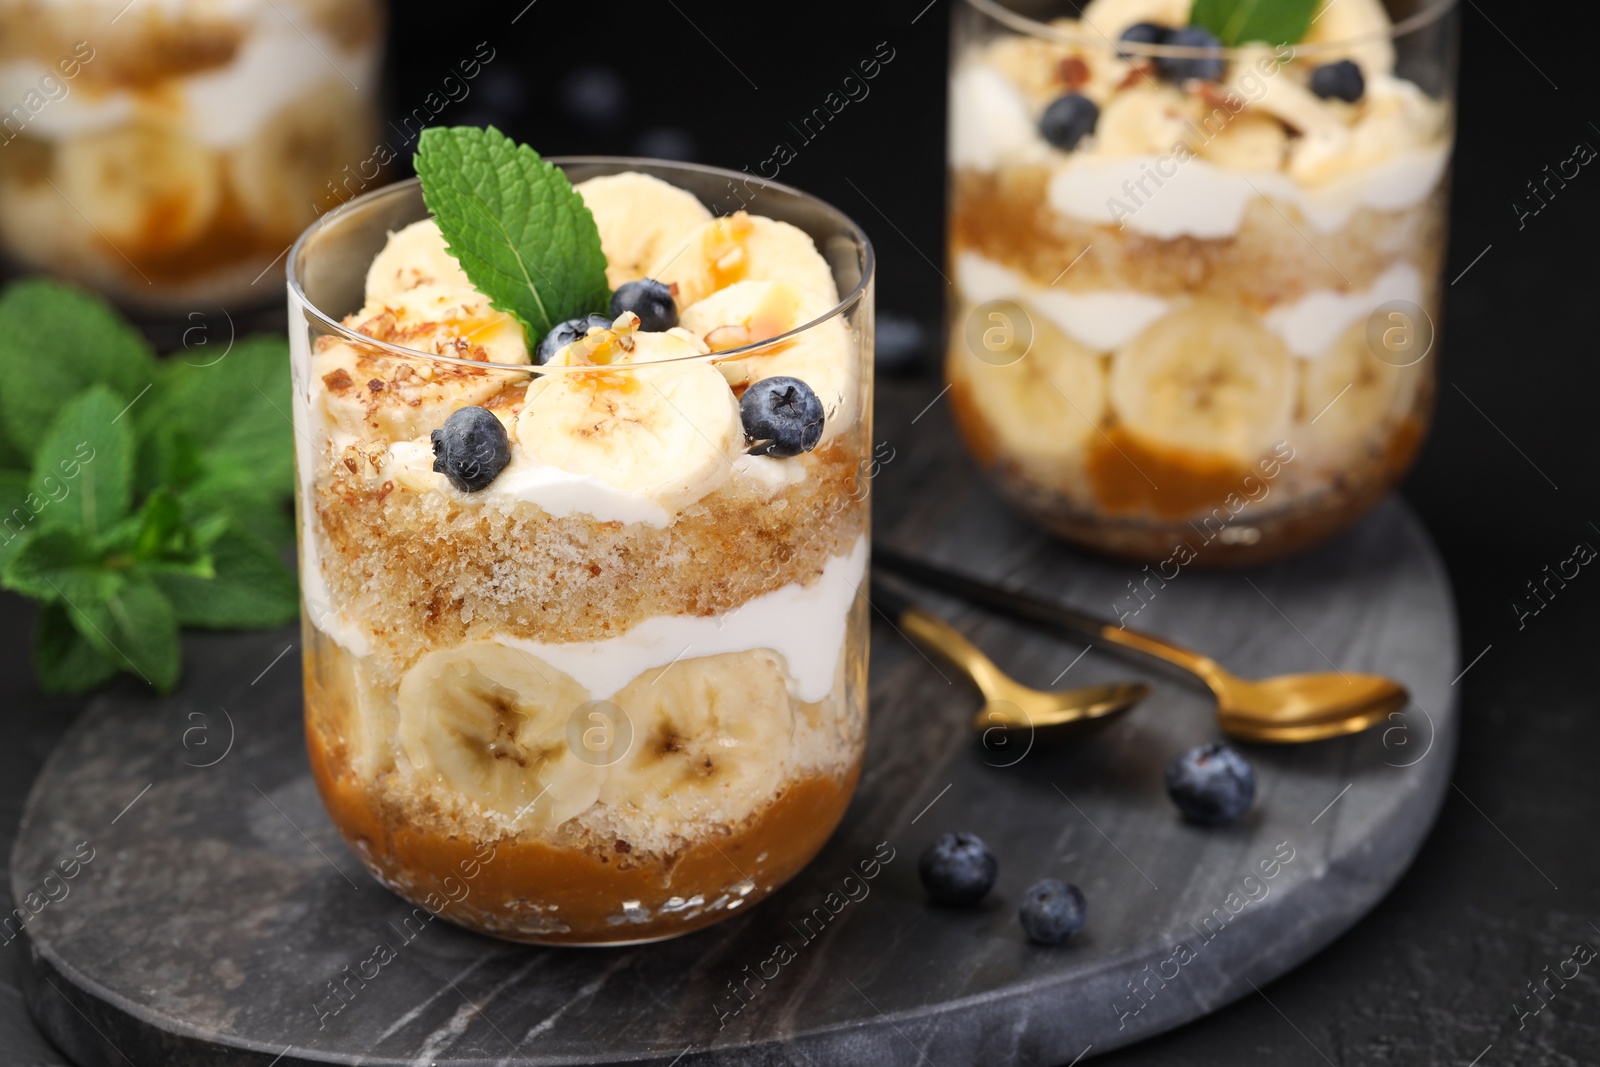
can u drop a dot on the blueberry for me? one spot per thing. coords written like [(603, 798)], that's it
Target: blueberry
[(650, 300), (1068, 119), (782, 416), (471, 449), (1211, 784), (1051, 912), (958, 869), (1144, 33), (563, 334), (1342, 80), (1205, 68)]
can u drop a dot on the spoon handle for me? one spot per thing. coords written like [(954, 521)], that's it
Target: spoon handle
[(1043, 613), (934, 633)]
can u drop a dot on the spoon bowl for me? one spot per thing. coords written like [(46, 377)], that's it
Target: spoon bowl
[(1291, 708), (1059, 714), (1010, 705)]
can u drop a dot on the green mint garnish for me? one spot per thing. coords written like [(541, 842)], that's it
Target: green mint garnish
[(1237, 22), (137, 495), (83, 467), (515, 224), (54, 343)]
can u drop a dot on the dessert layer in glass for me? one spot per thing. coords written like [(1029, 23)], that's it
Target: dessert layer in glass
[(1216, 291), (631, 667), (171, 154)]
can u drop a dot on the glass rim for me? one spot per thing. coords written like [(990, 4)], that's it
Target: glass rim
[(997, 10), (365, 200)]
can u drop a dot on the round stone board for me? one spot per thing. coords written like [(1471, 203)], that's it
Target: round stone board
[(213, 914)]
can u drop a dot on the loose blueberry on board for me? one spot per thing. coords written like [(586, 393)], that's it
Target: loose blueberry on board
[(471, 449), (1341, 80), (1182, 68), (1211, 784), (1068, 119), (782, 416), (650, 300), (563, 334), (1051, 911), (1144, 33), (958, 869)]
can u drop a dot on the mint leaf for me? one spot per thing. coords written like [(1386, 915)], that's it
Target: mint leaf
[(83, 467), (221, 432), (252, 588), (64, 661), (518, 228), (60, 565), (236, 408), (1237, 22), (136, 629), (162, 539), (55, 341)]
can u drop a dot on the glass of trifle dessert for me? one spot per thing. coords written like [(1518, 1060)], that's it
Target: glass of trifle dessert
[(583, 505), (169, 153), (1195, 251)]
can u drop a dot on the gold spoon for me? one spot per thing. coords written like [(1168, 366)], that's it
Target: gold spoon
[(1008, 704), (1285, 709)]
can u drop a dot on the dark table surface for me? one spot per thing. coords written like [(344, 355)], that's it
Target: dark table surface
[(1509, 882)]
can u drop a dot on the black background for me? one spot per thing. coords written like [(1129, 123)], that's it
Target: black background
[(1509, 881)]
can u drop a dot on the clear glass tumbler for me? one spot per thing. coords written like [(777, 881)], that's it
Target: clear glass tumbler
[(1196, 287), (167, 154), (562, 710)]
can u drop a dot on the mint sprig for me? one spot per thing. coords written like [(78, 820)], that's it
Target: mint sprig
[(516, 225), (1237, 22), (137, 495)]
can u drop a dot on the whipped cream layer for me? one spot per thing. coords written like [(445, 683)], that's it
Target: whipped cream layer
[(1201, 199), (805, 624), (278, 63), (1100, 319), (1109, 318), (1170, 192), (562, 493)]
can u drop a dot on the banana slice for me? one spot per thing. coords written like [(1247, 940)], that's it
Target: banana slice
[(667, 432), (751, 311), (281, 174), (364, 392), (1248, 142), (1364, 23), (1111, 17), (142, 186), (1347, 392), (710, 736), (1300, 108), (1146, 119), (1206, 378), (743, 247), (413, 257), (489, 724), (1041, 404), (1393, 118), (417, 297), (354, 715), (639, 218)]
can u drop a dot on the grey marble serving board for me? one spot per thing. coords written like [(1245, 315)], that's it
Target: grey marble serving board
[(219, 901)]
